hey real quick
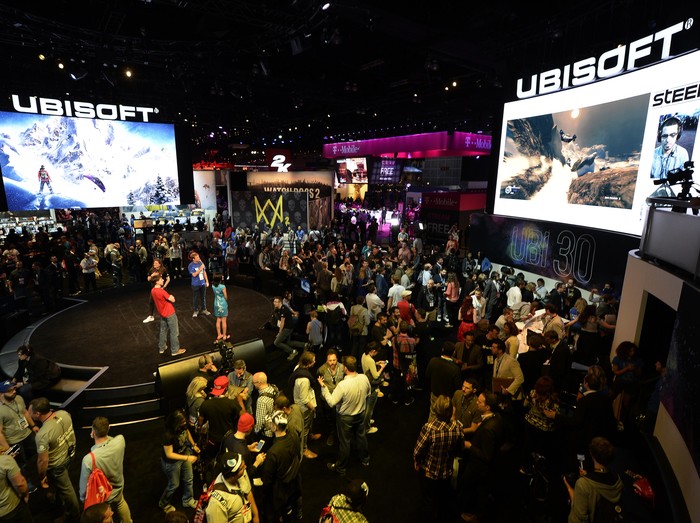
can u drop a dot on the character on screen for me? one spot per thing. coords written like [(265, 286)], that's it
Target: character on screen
[(44, 179), (669, 155)]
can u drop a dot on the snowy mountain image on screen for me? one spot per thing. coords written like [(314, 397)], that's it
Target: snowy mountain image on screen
[(91, 163)]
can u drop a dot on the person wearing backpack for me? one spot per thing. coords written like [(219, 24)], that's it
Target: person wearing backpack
[(595, 495), (231, 498), (108, 455)]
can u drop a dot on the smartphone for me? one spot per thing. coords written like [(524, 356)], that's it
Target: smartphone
[(260, 446)]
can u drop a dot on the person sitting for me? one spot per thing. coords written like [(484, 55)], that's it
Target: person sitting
[(34, 373)]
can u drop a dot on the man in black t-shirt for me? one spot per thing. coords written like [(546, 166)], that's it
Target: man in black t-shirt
[(285, 326)]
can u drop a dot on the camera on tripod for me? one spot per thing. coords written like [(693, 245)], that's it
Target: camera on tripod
[(679, 175)]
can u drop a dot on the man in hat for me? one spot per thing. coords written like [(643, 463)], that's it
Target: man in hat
[(16, 425), (232, 497), (406, 308), (222, 414), (237, 442)]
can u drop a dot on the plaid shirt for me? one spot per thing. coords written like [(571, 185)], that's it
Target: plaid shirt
[(403, 344), (438, 443)]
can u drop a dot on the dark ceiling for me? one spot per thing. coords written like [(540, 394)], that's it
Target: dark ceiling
[(249, 71)]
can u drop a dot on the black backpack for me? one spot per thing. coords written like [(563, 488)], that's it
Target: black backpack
[(608, 512)]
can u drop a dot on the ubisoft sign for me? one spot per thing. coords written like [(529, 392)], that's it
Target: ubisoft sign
[(53, 107)]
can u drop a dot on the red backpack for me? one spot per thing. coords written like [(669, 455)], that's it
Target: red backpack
[(98, 486)]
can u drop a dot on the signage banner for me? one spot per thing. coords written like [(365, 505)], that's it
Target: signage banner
[(553, 250), (317, 184), (413, 143), (269, 210)]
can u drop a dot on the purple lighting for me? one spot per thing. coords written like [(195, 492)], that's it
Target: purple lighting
[(414, 145)]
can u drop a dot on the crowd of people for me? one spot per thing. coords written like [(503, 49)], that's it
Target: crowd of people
[(357, 321)]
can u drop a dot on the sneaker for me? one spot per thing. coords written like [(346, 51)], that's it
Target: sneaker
[(332, 467), (371, 422), (380, 394), (190, 503), (206, 313), (365, 463), (372, 430), (292, 355), (195, 314), (167, 508), (409, 401), (149, 319), (385, 383), (162, 351), (181, 351)]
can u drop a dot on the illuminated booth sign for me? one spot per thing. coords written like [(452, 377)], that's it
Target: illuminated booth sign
[(317, 184), (440, 211), (58, 154), (269, 210), (553, 250)]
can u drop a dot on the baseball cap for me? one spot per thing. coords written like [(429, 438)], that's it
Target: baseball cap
[(246, 422), (231, 462), (220, 386), (6, 385)]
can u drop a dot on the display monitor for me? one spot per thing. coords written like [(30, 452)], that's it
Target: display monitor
[(590, 155), (386, 170), (57, 162), (352, 170)]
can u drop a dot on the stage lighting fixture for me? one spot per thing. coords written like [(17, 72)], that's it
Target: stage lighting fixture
[(128, 73), (42, 56), (60, 64), (325, 6), (78, 74)]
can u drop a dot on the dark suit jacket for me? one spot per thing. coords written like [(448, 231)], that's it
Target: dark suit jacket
[(560, 365), (593, 416)]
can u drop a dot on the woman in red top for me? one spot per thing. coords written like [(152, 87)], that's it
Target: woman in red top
[(467, 317)]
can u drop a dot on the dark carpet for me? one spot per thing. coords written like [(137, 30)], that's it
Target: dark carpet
[(106, 328)]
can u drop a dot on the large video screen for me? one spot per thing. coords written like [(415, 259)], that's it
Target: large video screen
[(591, 155), (352, 170), (56, 162)]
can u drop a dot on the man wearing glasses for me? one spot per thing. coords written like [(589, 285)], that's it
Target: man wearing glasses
[(669, 155)]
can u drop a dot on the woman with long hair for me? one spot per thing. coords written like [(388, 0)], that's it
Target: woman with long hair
[(451, 299), (539, 429), (176, 461), (512, 341), (588, 340), (220, 307), (627, 371), (467, 318)]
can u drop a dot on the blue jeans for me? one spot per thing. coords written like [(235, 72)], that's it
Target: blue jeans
[(369, 409), (175, 472), (351, 429), (169, 326), (199, 298)]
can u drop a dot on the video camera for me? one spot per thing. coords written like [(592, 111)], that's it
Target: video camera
[(679, 175)]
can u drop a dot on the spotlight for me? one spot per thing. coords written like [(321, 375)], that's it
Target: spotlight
[(60, 65), (78, 74), (325, 6), (42, 56), (128, 73)]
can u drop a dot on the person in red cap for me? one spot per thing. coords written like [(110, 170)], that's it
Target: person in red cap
[(222, 413), (238, 443)]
